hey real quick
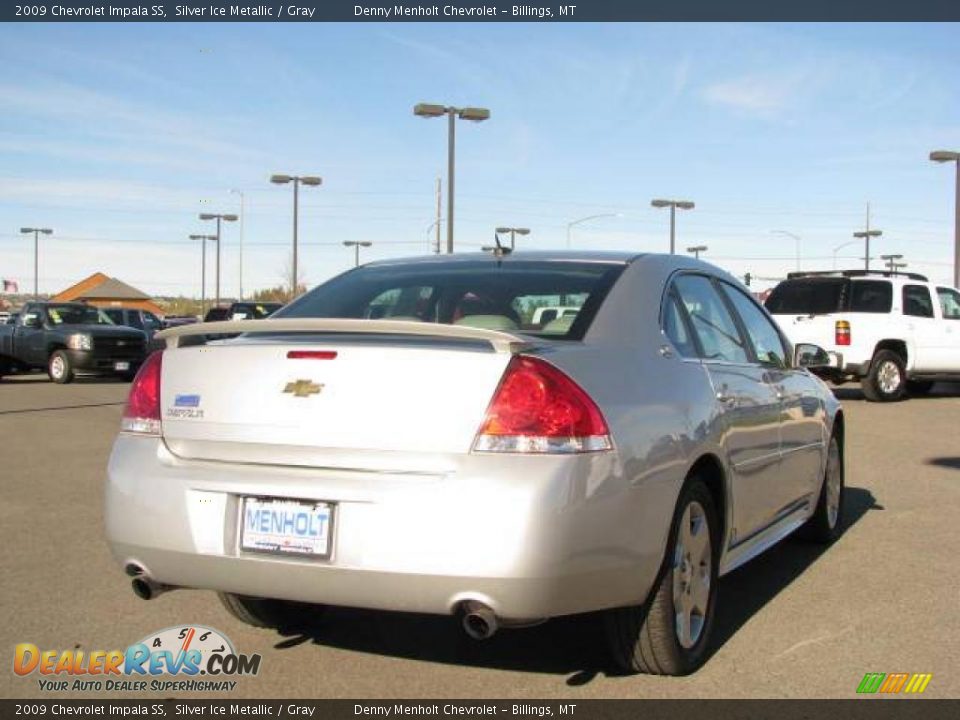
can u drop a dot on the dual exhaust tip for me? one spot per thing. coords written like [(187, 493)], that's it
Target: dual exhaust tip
[(144, 586)]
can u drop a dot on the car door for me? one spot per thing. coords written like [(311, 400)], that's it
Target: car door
[(746, 403), (31, 341), (802, 445), (925, 330), (950, 325)]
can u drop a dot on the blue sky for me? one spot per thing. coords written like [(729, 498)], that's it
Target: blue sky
[(118, 135)]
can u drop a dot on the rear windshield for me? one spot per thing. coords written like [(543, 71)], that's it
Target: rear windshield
[(484, 293), (818, 296)]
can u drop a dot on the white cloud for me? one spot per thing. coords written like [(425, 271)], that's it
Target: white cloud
[(765, 93)]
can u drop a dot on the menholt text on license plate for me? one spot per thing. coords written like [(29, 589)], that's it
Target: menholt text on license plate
[(296, 527)]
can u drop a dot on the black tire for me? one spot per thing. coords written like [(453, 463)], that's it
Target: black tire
[(645, 638), (269, 613), (59, 367), (919, 387), (825, 526), (886, 379)]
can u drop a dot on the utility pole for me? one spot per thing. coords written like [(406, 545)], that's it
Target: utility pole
[(439, 192), (865, 235)]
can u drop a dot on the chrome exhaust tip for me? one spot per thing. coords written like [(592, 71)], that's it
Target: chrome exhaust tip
[(147, 588), (479, 621)]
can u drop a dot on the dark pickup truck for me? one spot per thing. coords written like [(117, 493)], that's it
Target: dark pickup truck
[(69, 339)]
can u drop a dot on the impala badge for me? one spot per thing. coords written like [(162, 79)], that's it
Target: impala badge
[(303, 388)]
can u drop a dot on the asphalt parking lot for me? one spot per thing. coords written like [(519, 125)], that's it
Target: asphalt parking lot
[(798, 622)]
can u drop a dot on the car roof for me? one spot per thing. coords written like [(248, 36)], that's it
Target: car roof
[(522, 256)]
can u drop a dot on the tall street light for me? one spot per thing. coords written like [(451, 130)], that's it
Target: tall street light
[(796, 239), (356, 245), (242, 215), (225, 217), (203, 270), (891, 261), (474, 114), (36, 255), (942, 156), (696, 250), (839, 247), (513, 234), (570, 225), (309, 181), (865, 235), (673, 205)]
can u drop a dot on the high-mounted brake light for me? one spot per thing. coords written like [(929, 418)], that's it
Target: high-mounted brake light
[(538, 409), (842, 332), (142, 413), (312, 355)]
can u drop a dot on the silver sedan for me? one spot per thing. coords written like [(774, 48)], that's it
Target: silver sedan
[(503, 438)]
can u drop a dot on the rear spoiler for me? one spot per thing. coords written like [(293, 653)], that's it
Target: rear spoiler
[(501, 341)]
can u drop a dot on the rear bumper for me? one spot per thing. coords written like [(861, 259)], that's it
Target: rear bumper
[(529, 537)]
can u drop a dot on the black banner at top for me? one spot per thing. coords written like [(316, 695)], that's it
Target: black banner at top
[(478, 11)]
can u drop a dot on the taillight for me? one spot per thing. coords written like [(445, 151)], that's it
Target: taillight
[(842, 333), (142, 413), (538, 409)]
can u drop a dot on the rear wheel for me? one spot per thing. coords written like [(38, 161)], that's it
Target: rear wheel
[(669, 635), (919, 387), (269, 613), (60, 368), (886, 379), (824, 525)]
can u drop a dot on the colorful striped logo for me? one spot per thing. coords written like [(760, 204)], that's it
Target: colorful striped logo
[(890, 683)]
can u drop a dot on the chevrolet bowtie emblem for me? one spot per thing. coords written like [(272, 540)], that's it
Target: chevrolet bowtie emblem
[(303, 388)]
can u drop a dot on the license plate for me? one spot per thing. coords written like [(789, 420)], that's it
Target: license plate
[(286, 527), (121, 366)]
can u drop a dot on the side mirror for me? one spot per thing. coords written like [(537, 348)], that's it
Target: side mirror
[(810, 356)]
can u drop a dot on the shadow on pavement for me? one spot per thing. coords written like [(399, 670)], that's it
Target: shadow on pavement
[(852, 391), (945, 462), (571, 646)]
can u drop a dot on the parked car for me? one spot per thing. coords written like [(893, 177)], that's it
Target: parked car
[(253, 310), (135, 318), (69, 339), (895, 333), (178, 320), (4, 317), (543, 315), (12, 320), (619, 461), (217, 314)]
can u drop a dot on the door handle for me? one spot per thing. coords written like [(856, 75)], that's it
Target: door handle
[(780, 391), (722, 397)]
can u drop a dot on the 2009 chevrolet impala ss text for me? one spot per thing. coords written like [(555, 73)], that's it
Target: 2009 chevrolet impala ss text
[(505, 438)]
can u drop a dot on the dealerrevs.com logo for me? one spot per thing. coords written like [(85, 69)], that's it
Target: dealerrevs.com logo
[(198, 657)]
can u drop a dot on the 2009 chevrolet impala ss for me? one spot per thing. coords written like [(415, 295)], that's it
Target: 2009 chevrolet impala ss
[(406, 437)]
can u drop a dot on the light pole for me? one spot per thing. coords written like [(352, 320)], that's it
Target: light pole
[(840, 247), (891, 261), (513, 234), (585, 219), (435, 224), (673, 205), (203, 270), (225, 217), (356, 245), (474, 114), (36, 256), (240, 193), (865, 235), (696, 250), (942, 156), (309, 181), (796, 239)]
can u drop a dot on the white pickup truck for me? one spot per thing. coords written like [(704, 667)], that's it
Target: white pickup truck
[(894, 332)]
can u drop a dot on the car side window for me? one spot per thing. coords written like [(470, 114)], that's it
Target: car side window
[(949, 303), (712, 322), (675, 328), (916, 301), (767, 342)]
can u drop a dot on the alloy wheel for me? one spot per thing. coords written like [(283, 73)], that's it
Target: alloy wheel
[(692, 571)]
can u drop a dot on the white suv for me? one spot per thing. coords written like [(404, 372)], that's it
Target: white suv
[(894, 332)]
